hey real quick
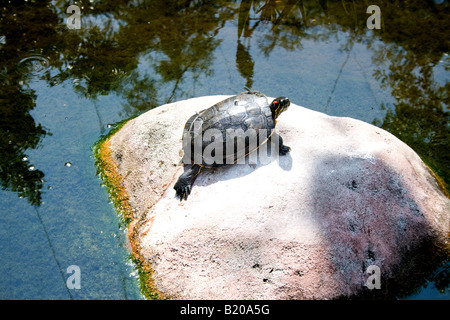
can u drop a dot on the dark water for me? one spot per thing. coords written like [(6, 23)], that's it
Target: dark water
[(62, 88)]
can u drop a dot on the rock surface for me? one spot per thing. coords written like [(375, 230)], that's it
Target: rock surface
[(304, 226)]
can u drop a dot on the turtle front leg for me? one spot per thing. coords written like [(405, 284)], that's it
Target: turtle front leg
[(283, 149), (184, 184)]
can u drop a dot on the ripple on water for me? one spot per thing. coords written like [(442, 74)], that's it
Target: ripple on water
[(35, 65)]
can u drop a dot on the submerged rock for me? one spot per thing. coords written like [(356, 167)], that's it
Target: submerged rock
[(306, 225)]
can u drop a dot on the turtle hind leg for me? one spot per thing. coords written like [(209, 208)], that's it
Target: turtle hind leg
[(184, 184)]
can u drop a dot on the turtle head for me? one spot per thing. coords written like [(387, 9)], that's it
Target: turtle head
[(279, 105)]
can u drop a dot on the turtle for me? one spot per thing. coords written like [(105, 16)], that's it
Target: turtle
[(247, 112)]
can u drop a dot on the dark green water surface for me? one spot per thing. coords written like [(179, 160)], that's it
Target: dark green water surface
[(62, 88)]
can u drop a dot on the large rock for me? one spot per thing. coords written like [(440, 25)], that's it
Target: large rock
[(306, 225)]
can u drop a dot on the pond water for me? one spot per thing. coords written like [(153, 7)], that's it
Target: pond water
[(65, 84)]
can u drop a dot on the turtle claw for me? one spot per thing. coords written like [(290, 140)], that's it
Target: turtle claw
[(182, 190), (187, 191)]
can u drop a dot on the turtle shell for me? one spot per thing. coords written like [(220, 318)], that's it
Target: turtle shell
[(228, 130)]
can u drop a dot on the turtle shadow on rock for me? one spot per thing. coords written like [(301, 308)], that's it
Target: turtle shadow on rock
[(208, 176)]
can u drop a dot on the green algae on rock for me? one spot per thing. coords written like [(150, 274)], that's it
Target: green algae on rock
[(112, 181)]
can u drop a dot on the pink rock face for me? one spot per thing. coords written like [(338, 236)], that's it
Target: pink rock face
[(305, 226), (368, 219)]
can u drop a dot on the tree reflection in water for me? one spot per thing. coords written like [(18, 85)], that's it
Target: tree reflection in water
[(179, 38)]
